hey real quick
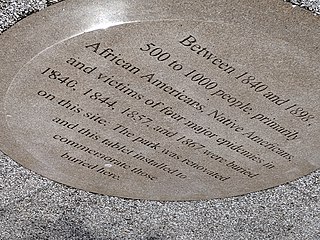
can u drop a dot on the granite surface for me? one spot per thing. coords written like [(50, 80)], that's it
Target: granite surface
[(33, 207)]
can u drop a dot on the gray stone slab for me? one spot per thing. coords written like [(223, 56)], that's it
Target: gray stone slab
[(33, 207)]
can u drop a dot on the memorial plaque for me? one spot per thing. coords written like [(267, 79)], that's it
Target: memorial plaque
[(162, 108)]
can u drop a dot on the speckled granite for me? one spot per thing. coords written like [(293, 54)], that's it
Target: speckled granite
[(33, 207)]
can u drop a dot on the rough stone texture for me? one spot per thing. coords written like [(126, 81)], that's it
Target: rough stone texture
[(312, 5), (33, 207)]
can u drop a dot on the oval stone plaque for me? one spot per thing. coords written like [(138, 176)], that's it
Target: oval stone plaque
[(167, 110)]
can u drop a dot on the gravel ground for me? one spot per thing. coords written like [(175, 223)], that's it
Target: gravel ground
[(33, 207)]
